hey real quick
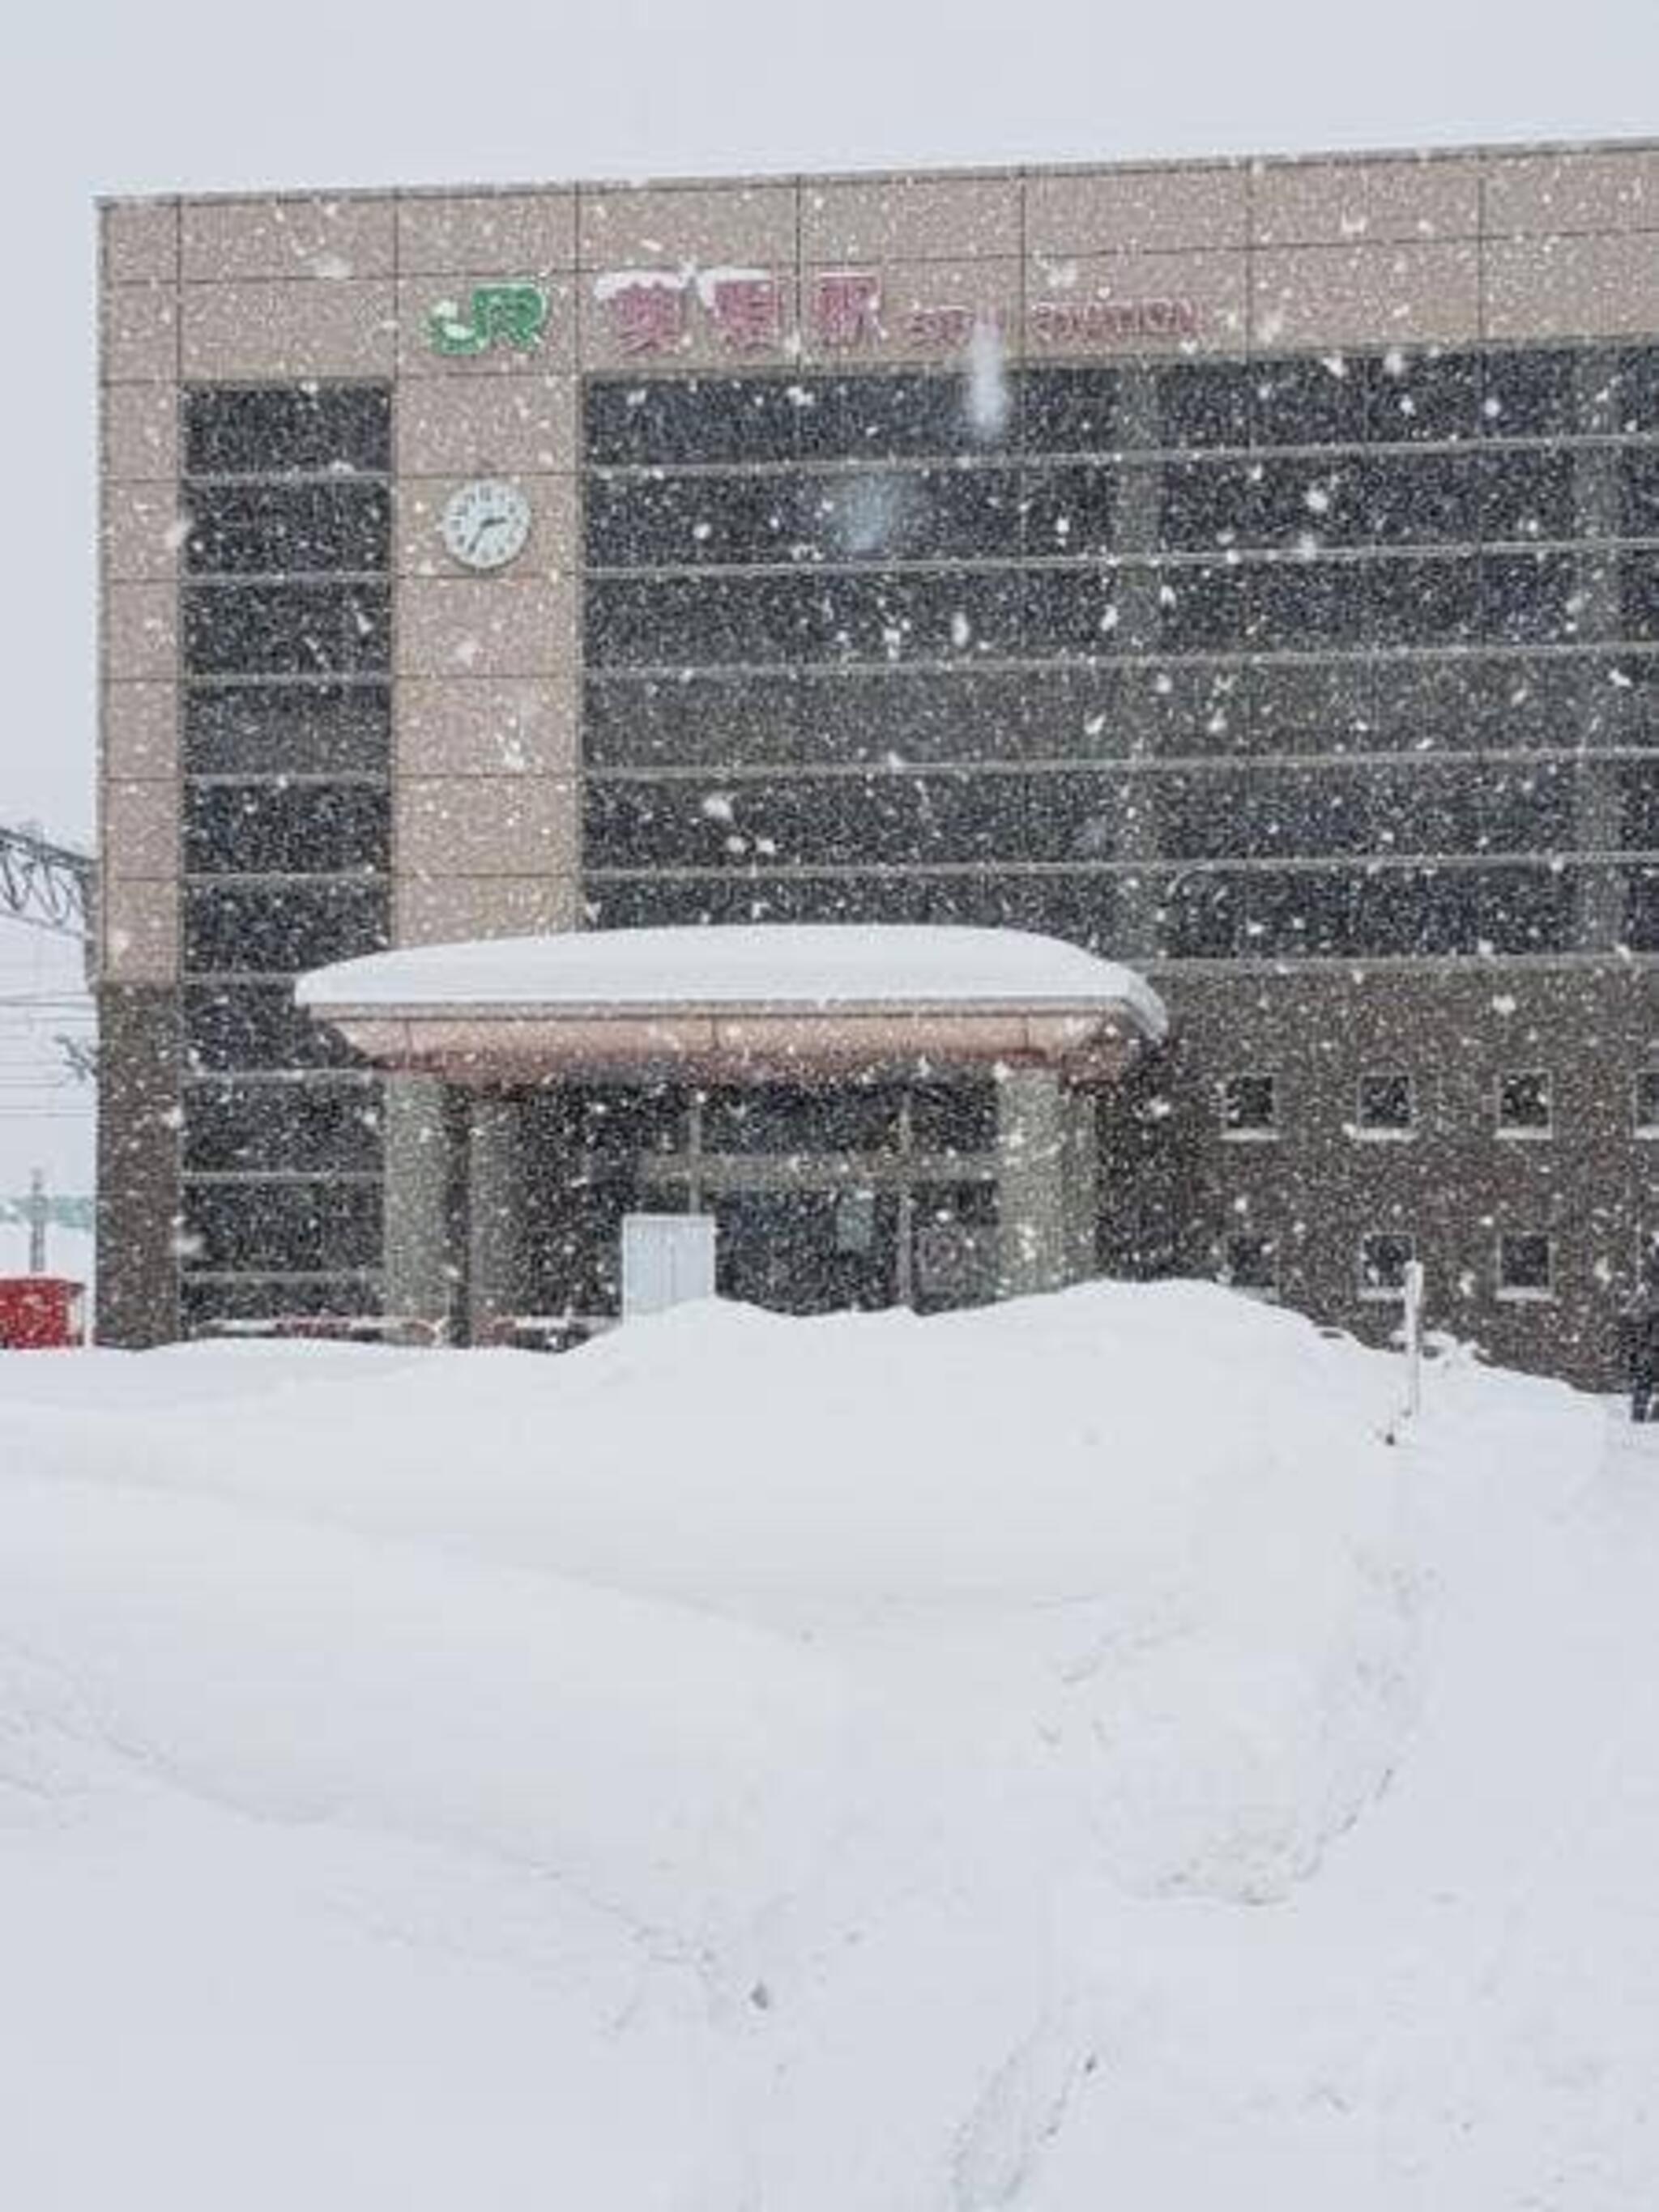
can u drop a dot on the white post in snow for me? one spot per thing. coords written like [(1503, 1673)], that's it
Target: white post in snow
[(1414, 1290), (37, 1221)]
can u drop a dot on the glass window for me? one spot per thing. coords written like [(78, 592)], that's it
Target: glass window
[(282, 431), (1251, 1263), (1203, 403), (1210, 505), (915, 514), (255, 1025), (286, 729), (1428, 397), (1525, 1266), (1250, 1105), (310, 1228), (1070, 511), (1383, 1259), (1635, 392), (286, 828), (1203, 608), (892, 414), (807, 718), (670, 419), (884, 819), (1305, 504), (1316, 400), (1526, 495), (785, 1119), (208, 1300), (1069, 411), (1523, 1103), (1645, 1088), (620, 1120), (1073, 612), (954, 1117), (1426, 602), (1529, 598), (1303, 603), (1638, 588), (1423, 499), (287, 629), (317, 1124), (279, 928), (1384, 1107), (276, 529), (1530, 393)]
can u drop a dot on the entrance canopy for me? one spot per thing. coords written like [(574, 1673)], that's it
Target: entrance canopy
[(738, 1004)]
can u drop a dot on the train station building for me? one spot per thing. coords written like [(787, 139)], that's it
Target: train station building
[(1239, 578)]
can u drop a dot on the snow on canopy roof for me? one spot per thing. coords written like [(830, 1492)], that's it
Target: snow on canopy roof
[(776, 965)]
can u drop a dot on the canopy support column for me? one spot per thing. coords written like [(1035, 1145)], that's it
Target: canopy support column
[(417, 1174), (1046, 1183), (495, 1161)]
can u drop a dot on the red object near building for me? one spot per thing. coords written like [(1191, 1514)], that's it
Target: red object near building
[(41, 1313)]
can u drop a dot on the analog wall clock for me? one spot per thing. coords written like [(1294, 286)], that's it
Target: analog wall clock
[(485, 524)]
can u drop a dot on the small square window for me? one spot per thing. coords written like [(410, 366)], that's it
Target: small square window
[(1385, 1106), (1251, 1263), (1524, 1104), (1646, 1088), (1526, 1266), (1383, 1259), (1250, 1106)]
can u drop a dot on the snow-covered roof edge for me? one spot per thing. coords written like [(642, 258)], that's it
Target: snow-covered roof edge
[(815, 967)]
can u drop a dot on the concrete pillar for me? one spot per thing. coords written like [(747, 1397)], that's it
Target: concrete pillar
[(418, 1155), (1034, 1250), (138, 1187), (1080, 1193), (494, 1211)]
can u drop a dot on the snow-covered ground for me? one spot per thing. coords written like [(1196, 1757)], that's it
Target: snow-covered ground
[(1060, 1757)]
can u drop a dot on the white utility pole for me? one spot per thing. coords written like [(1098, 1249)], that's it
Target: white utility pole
[(37, 1222), (1413, 1289)]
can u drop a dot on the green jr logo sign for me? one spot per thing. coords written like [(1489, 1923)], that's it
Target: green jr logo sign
[(500, 314)]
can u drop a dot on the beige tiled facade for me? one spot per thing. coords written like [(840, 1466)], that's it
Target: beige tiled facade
[(449, 727), (462, 626), (1367, 296), (228, 241), (308, 326), (500, 233), (1175, 210), (1088, 265)]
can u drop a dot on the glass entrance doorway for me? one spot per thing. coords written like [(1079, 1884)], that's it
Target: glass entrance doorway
[(810, 1250), (825, 1200)]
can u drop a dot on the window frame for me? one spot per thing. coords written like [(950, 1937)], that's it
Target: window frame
[(1384, 1132), (1509, 1293), (1371, 1291), (1520, 1132), (1252, 1132), (1269, 1292)]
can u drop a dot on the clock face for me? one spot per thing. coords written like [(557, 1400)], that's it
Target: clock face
[(485, 524)]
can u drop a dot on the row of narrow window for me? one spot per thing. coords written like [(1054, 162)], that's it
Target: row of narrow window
[(1385, 1104), (1523, 1264), (1394, 397)]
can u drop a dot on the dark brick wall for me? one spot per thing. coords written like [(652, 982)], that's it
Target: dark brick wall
[(1592, 1185), (137, 1299)]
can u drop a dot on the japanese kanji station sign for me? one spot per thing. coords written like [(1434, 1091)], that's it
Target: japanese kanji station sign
[(654, 311), (657, 312)]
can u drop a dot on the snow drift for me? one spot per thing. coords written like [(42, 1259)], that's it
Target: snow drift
[(1028, 1758)]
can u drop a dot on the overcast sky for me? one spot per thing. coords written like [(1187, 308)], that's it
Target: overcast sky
[(156, 95)]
